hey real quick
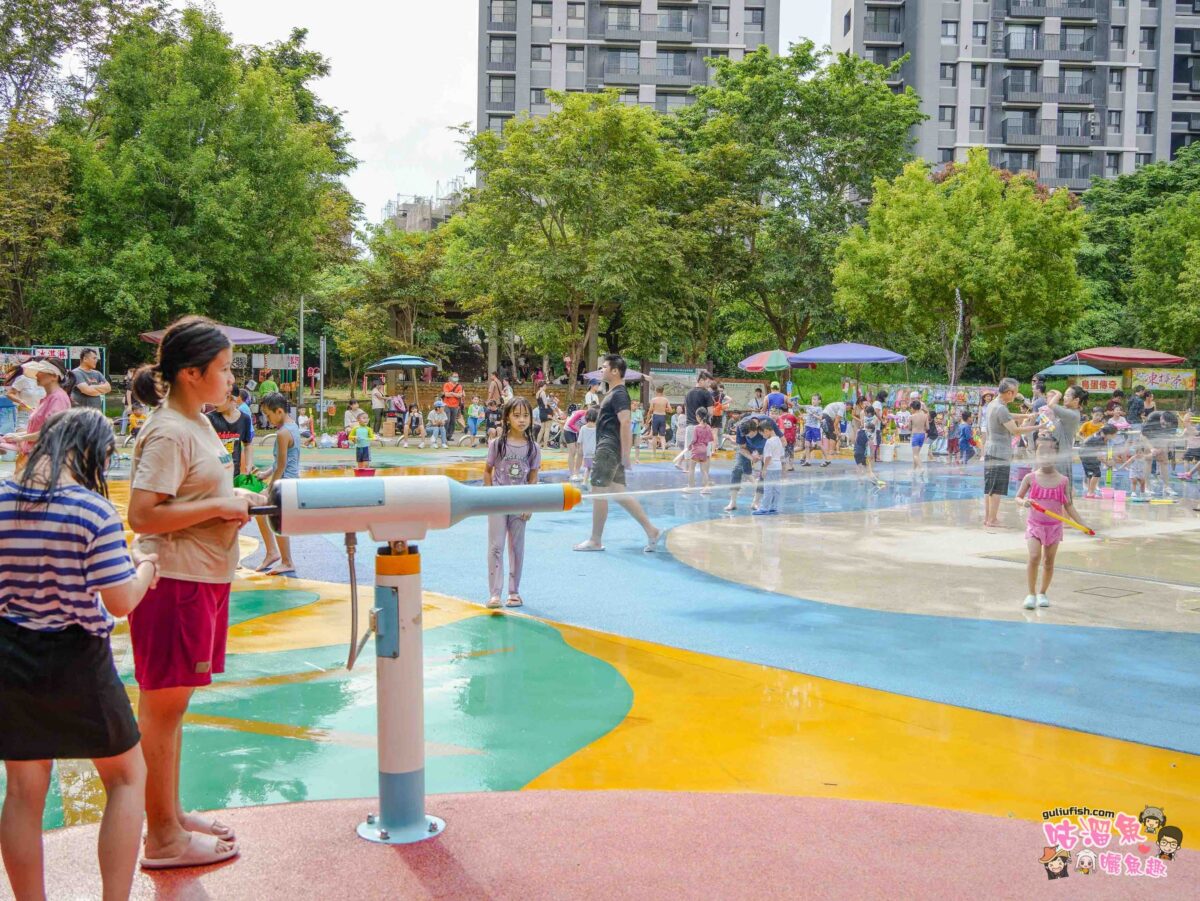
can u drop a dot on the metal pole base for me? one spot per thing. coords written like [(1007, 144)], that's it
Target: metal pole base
[(372, 830)]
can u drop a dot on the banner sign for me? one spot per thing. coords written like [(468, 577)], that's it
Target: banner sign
[(676, 380), (741, 392), (1100, 384), (53, 353), (1165, 379)]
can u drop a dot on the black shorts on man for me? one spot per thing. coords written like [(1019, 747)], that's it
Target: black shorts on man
[(607, 468), (996, 474)]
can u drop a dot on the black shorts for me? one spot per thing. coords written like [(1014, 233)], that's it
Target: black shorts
[(607, 468), (827, 426), (658, 425), (995, 476), (569, 436), (60, 696), (1091, 468), (1192, 453)]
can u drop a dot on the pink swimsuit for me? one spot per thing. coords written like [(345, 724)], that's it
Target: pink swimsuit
[(1039, 526)]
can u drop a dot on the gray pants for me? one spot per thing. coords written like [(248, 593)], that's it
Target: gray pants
[(505, 529)]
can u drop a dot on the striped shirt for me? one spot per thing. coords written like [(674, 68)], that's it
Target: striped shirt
[(55, 557)]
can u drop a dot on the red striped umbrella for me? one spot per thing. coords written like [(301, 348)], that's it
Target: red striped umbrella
[(770, 361)]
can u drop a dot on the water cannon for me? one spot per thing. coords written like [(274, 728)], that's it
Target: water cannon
[(397, 510)]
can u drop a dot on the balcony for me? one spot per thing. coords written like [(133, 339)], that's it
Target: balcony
[(871, 36), (1049, 90), (1071, 176), (505, 104), (651, 27), (1020, 45), (1190, 8), (505, 64), (693, 72), (508, 23), (1024, 132), (1040, 9)]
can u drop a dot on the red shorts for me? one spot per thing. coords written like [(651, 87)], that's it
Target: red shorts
[(178, 634)]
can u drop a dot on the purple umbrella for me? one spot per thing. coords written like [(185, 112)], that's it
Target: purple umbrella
[(239, 336), (631, 375), (847, 352)]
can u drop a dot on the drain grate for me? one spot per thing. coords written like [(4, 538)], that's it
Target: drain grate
[(1102, 592)]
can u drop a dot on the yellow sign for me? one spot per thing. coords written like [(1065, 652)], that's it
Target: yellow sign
[(1165, 379)]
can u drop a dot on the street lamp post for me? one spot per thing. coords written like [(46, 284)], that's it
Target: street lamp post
[(300, 365)]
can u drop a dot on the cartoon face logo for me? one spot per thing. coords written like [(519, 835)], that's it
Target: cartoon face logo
[(514, 470), (1085, 862), (1152, 819), (1056, 861), (1170, 838)]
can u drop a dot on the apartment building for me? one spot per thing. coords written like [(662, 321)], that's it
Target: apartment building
[(1068, 89), (653, 51)]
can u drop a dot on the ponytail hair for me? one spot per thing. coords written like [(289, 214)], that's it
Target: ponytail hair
[(190, 342), (81, 440)]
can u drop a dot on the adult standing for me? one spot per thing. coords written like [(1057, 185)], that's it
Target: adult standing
[(1002, 426), (453, 395), (660, 409), (776, 399), (719, 407), (1136, 410), (614, 441), (378, 403), (26, 393), (544, 415), (493, 389), (1067, 412), (90, 383), (127, 402), (832, 415), (55, 385), (699, 397), (183, 506)]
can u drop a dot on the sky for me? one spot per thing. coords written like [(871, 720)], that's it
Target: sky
[(404, 76)]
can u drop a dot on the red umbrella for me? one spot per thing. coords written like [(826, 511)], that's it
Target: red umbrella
[(1122, 356)]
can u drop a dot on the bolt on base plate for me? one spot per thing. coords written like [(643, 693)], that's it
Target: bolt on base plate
[(373, 830)]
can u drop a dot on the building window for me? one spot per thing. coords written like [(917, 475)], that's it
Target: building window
[(948, 73), (1146, 80), (623, 18), (1114, 121), (671, 62), (504, 12), (629, 98), (720, 15), (845, 23), (949, 32), (1151, 4), (756, 19), (1142, 159), (721, 54), (537, 96), (1148, 38), (978, 75), (502, 91), (622, 62), (502, 50), (979, 34), (946, 116), (496, 123), (945, 154), (1117, 33), (1145, 123), (977, 117), (1116, 79), (1112, 164), (539, 56), (542, 11), (576, 11), (1118, 4), (670, 102), (574, 56)]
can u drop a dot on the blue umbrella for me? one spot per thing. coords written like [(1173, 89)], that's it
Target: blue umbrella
[(402, 361), (1071, 369)]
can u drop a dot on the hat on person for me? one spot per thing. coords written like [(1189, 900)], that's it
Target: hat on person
[(774, 384), (594, 382), (33, 367), (438, 403), (1049, 852)]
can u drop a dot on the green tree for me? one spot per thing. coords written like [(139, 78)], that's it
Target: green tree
[(1164, 286), (33, 214), (362, 336), (568, 226), (997, 243), (197, 190), (796, 142)]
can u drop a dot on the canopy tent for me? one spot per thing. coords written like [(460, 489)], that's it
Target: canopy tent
[(1071, 369), (847, 352), (1120, 357), (402, 361), (771, 361), (239, 336), (631, 375)]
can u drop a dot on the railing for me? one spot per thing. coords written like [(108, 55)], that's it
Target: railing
[(508, 23), (1011, 163), (1020, 45), (1072, 176), (505, 104), (693, 71), (506, 64), (1050, 132), (1067, 9), (1048, 90), (882, 37)]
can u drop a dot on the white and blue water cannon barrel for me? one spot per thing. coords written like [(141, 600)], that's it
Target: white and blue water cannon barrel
[(400, 705)]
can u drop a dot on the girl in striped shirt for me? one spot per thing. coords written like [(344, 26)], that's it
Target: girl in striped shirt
[(65, 572)]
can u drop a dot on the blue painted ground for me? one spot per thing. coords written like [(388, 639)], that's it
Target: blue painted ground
[(1142, 686)]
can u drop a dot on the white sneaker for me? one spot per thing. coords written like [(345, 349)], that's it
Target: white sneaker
[(1030, 602), (404, 444), (421, 445), (1043, 601)]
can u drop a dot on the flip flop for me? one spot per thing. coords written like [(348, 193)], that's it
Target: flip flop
[(266, 566), (200, 852), (197, 822), (652, 546), (514, 600), (493, 603), (587, 546), (286, 573)]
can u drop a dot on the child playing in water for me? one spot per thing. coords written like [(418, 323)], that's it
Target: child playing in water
[(966, 437), (679, 426), (1051, 489), (637, 420), (700, 452), (361, 437), (1140, 454), (513, 459), (772, 474), (587, 440), (277, 561)]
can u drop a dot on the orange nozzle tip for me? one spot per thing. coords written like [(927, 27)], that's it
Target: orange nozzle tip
[(571, 496)]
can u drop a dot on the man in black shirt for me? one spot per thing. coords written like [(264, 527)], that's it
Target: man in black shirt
[(614, 440)]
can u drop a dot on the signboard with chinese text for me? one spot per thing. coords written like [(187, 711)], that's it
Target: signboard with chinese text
[(1165, 379), (1100, 384)]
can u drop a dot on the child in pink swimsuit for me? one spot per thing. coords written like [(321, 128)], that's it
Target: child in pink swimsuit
[(1051, 489)]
